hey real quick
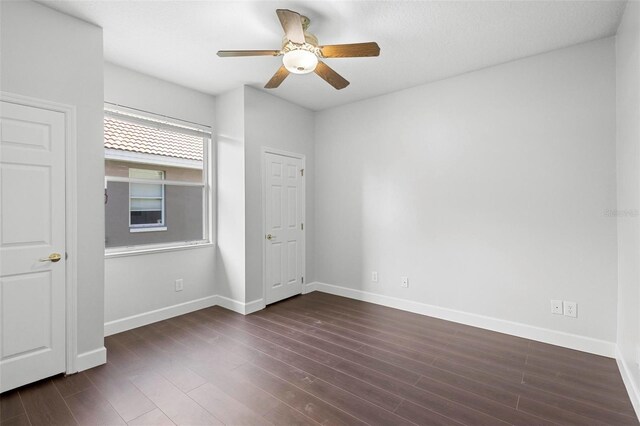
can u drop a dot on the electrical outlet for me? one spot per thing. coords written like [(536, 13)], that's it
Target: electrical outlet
[(374, 276), (570, 309), (405, 282), (179, 284), (556, 307)]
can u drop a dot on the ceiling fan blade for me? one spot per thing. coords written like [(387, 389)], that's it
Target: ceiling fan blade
[(232, 53), (292, 25), (353, 50), (330, 76), (277, 78)]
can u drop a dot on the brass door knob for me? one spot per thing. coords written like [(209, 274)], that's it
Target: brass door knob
[(53, 257), (270, 237)]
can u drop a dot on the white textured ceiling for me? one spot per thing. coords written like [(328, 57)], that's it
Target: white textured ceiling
[(420, 41)]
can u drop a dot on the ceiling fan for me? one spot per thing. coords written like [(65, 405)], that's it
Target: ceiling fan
[(301, 52)]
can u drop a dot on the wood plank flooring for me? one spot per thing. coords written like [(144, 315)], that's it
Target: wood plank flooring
[(323, 359)]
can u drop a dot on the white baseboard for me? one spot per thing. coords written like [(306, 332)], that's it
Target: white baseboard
[(255, 306), (145, 318), (568, 340), (308, 288), (134, 321), (94, 358), (559, 338), (633, 388), (240, 307)]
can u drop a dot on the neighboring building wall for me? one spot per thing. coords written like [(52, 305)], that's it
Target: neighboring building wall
[(183, 207), (121, 169), (183, 217)]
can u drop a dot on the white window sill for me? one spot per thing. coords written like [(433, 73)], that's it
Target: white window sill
[(148, 229), (152, 249)]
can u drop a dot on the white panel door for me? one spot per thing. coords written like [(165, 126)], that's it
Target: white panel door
[(284, 210), (32, 228)]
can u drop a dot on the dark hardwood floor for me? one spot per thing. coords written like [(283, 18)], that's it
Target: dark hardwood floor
[(323, 359)]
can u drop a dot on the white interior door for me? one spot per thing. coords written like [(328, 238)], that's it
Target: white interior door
[(284, 211), (32, 228)]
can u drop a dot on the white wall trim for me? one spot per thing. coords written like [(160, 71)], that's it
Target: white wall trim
[(240, 307), (134, 321), (145, 318), (94, 358), (554, 337), (560, 338), (154, 248), (231, 304), (254, 306), (71, 208), (633, 388), (308, 288)]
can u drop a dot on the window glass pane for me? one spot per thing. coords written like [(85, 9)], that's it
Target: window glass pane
[(145, 204), (183, 217), (146, 174), (143, 190), (146, 200), (147, 148), (147, 217)]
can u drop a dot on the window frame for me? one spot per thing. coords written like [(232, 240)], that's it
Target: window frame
[(144, 117), (149, 227)]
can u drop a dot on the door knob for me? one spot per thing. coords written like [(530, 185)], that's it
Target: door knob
[(270, 237), (53, 257)]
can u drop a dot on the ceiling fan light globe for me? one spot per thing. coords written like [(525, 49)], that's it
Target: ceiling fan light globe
[(300, 61)]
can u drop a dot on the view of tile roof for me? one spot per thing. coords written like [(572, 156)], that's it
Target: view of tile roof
[(133, 137)]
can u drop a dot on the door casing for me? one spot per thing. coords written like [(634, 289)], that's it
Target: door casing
[(301, 157), (71, 208)]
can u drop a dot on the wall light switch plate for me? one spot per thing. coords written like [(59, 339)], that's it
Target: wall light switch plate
[(556, 307), (374, 276), (405, 282), (179, 285), (570, 309)]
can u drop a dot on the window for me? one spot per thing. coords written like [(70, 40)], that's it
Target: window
[(146, 202), (157, 189)]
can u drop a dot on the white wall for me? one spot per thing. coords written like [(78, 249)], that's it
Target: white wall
[(245, 120), (628, 149), (51, 56), (230, 257), (275, 123), (248, 120), (488, 190), (142, 283)]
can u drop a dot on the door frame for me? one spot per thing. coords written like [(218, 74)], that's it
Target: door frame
[(71, 208), (301, 157)]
